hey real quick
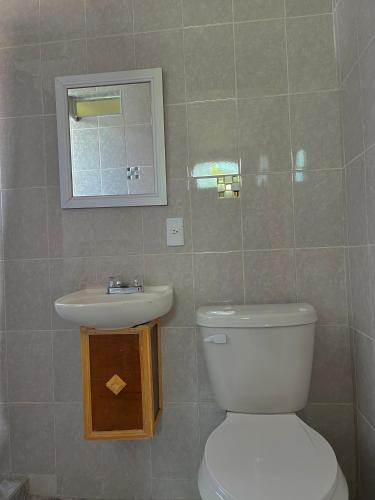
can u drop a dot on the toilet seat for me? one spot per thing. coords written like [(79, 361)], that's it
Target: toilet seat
[(267, 457)]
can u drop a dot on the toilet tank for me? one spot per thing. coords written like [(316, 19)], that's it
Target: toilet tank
[(259, 357)]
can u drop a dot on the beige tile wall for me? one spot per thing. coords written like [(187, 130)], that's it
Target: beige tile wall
[(242, 82), (355, 30)]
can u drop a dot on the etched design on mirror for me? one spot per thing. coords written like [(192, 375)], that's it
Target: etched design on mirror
[(111, 140)]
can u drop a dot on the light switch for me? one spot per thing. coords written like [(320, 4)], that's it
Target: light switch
[(175, 232)]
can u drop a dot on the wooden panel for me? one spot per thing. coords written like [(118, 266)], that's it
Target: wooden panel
[(115, 355), (155, 369)]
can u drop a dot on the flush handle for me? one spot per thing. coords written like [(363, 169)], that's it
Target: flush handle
[(220, 338)]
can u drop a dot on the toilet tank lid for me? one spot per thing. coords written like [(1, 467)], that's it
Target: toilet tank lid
[(255, 316)]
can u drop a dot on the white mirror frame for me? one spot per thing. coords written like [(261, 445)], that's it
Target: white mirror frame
[(62, 84)]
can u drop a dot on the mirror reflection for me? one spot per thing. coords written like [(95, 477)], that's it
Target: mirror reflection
[(111, 140)]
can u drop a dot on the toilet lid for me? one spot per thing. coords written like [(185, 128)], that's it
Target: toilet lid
[(269, 457)]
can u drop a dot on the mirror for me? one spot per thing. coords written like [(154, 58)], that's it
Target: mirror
[(111, 139)]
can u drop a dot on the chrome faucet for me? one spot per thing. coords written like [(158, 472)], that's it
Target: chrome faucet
[(116, 285)]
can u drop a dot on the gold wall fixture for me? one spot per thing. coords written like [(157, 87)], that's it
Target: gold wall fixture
[(228, 186)]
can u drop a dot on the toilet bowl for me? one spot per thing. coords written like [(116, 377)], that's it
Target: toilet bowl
[(259, 361), (269, 457)]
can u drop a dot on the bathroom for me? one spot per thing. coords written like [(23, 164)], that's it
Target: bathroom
[(280, 89)]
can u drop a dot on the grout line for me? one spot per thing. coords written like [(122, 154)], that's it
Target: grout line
[(182, 103), (291, 158), (238, 154)]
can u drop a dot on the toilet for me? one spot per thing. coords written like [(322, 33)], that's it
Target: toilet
[(259, 360)]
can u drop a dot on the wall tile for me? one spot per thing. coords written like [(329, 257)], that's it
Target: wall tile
[(352, 116), (316, 131), (25, 223), (152, 16), (366, 445), (21, 154), (78, 473), (164, 50), (311, 54), (4, 439), (29, 305), (59, 59), (367, 65), (32, 441), (108, 17), (336, 424), (246, 10), (69, 275), (85, 149), (319, 208), (126, 469), (181, 489), (270, 277), (356, 202), (366, 18), (67, 366), (210, 417), (267, 211), (307, 7), (212, 135), (332, 356), (209, 63), (360, 288), (128, 268), (108, 231), (121, 49), (205, 387), (70, 231), (180, 381), (112, 147), (216, 221), (62, 19), (210, 270), (154, 222), (321, 282), (2, 296), (43, 485), (139, 145), (19, 23), (29, 366), (3, 374), (195, 12), (20, 75), (364, 358), (264, 137), (51, 150), (176, 457), (176, 141), (347, 35), (261, 58), (177, 270), (370, 193)]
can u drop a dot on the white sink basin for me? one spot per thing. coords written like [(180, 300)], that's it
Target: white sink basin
[(93, 307)]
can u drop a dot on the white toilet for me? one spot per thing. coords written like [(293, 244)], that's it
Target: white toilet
[(259, 360)]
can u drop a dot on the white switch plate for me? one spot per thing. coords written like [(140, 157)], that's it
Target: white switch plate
[(175, 232)]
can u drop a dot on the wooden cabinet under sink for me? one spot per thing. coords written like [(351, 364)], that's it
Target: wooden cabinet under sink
[(121, 381)]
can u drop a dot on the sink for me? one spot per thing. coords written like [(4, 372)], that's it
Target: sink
[(93, 307)]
